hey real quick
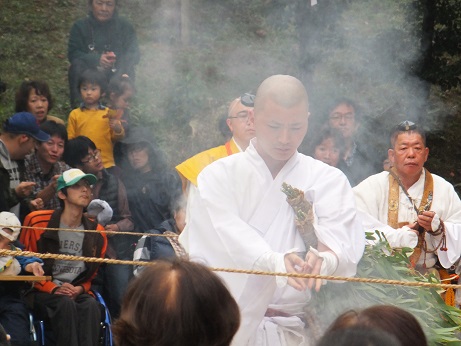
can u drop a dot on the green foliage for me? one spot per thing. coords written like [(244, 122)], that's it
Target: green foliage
[(441, 323)]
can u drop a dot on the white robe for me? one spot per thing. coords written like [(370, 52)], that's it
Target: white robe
[(240, 213), (372, 196)]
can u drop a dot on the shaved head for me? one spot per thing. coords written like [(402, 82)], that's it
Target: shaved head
[(280, 119), (284, 90)]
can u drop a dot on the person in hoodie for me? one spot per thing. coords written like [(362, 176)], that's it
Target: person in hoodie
[(151, 185), (17, 139), (102, 40)]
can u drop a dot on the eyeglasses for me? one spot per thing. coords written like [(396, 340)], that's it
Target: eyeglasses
[(406, 126), (241, 116), (248, 100), (94, 157), (340, 116)]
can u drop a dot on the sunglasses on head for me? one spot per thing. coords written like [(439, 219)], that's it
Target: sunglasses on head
[(248, 100), (406, 126)]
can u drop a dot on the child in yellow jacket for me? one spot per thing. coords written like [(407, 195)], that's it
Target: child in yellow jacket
[(92, 120)]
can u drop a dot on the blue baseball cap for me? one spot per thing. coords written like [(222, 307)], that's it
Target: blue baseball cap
[(25, 123)]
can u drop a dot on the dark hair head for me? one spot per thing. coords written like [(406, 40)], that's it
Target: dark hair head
[(95, 77), (77, 149), (52, 128), (90, 2), (143, 137), (325, 133), (177, 303), (119, 84), (391, 319), (343, 100), (406, 126), (358, 337), (22, 95)]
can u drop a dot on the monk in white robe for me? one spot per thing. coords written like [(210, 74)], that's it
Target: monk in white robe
[(439, 207), (240, 219)]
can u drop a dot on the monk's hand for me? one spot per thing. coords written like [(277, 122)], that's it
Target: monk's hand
[(313, 265), (24, 189), (429, 220), (34, 268), (324, 262), (295, 264)]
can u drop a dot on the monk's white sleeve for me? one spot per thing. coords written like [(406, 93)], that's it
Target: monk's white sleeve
[(274, 262)]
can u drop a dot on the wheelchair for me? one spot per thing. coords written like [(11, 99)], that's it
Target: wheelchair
[(39, 335)]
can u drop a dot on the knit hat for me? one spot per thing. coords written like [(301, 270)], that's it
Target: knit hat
[(10, 221), (73, 176), (25, 123)]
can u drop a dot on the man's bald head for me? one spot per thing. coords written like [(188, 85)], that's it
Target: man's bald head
[(284, 90), (280, 120)]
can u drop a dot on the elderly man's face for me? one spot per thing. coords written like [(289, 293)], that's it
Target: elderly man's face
[(103, 10), (409, 154), (238, 121), (342, 117)]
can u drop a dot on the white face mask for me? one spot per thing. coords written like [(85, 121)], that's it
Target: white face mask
[(9, 266)]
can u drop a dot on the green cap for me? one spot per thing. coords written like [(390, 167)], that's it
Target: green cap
[(73, 176)]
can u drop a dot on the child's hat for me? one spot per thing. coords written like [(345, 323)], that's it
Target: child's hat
[(9, 221)]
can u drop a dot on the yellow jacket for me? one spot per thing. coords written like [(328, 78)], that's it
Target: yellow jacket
[(190, 169)]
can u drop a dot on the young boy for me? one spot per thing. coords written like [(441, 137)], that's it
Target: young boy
[(65, 300), (91, 118)]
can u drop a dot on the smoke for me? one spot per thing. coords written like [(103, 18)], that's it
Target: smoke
[(368, 51), (364, 50)]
